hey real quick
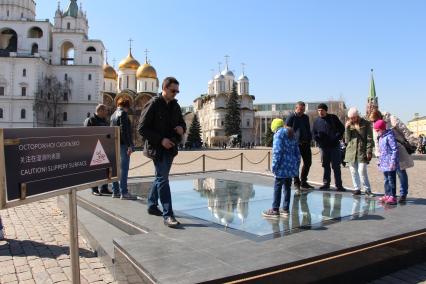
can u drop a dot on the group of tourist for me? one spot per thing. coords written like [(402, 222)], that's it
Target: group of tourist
[(390, 141)]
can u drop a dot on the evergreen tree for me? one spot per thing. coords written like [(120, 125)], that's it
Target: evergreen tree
[(268, 138), (194, 134), (233, 115)]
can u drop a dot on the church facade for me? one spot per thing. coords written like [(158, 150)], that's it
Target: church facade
[(32, 50), (211, 108)]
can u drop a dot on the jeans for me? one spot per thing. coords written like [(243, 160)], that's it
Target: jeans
[(124, 167), (160, 187), (403, 182), (278, 186), (390, 183), (359, 172), (306, 153), (331, 155)]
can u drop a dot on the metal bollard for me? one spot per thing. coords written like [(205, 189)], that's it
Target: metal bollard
[(204, 163), (269, 161), (242, 156)]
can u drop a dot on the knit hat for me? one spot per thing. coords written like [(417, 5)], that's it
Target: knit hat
[(322, 106), (276, 124), (380, 125)]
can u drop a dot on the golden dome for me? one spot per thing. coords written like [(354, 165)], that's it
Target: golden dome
[(129, 63), (109, 72), (146, 71)]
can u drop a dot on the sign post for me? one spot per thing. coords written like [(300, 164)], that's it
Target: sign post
[(40, 163)]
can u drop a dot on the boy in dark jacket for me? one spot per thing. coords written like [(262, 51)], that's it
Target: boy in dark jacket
[(162, 126)]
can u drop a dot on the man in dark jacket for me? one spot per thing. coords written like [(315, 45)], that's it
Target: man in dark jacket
[(299, 121), (121, 119), (162, 126), (99, 119), (328, 131)]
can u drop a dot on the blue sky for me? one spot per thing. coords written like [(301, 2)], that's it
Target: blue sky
[(293, 50)]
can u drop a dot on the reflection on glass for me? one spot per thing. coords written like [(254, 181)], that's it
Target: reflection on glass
[(238, 205), (225, 199)]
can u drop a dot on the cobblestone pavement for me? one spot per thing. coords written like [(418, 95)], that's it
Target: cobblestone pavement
[(36, 245), (36, 248)]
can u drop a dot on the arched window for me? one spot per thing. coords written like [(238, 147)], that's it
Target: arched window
[(90, 77), (145, 87), (65, 116), (48, 115), (24, 91), (23, 113), (66, 97), (91, 48), (35, 32), (1, 91), (68, 26), (66, 77), (34, 48), (1, 113), (90, 60), (89, 97), (9, 40), (67, 53), (127, 82), (24, 72)]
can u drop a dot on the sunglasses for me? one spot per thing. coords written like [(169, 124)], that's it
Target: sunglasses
[(174, 91)]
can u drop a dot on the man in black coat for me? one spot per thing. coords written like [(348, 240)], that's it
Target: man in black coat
[(328, 130), (161, 125), (99, 119), (299, 121)]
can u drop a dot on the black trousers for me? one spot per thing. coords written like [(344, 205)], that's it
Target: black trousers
[(306, 153)]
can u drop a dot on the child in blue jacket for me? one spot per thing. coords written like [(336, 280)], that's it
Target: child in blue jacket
[(285, 166)]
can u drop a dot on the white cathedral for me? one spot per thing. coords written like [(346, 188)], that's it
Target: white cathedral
[(211, 108), (31, 50)]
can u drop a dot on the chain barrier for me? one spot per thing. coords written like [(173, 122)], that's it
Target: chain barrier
[(223, 159), (256, 163), (140, 166), (186, 163)]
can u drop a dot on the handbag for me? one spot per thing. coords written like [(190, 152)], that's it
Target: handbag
[(149, 151), (410, 148)]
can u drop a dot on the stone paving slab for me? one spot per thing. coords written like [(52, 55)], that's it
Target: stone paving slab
[(36, 248)]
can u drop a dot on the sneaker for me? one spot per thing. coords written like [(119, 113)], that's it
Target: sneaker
[(306, 185), (153, 210), (325, 187), (356, 192), (369, 194), (284, 212), (341, 189), (1, 235), (96, 193), (298, 192), (271, 213), (402, 199), (171, 222), (391, 201), (115, 195), (128, 196), (383, 198)]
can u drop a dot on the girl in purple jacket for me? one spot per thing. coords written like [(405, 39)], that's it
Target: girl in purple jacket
[(388, 160)]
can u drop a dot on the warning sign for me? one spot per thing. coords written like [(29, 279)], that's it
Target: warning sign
[(99, 156)]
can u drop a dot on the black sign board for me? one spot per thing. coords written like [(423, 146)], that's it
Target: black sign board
[(42, 160)]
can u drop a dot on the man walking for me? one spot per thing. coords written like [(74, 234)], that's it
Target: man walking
[(162, 126), (299, 122), (328, 131), (121, 119), (99, 119)]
